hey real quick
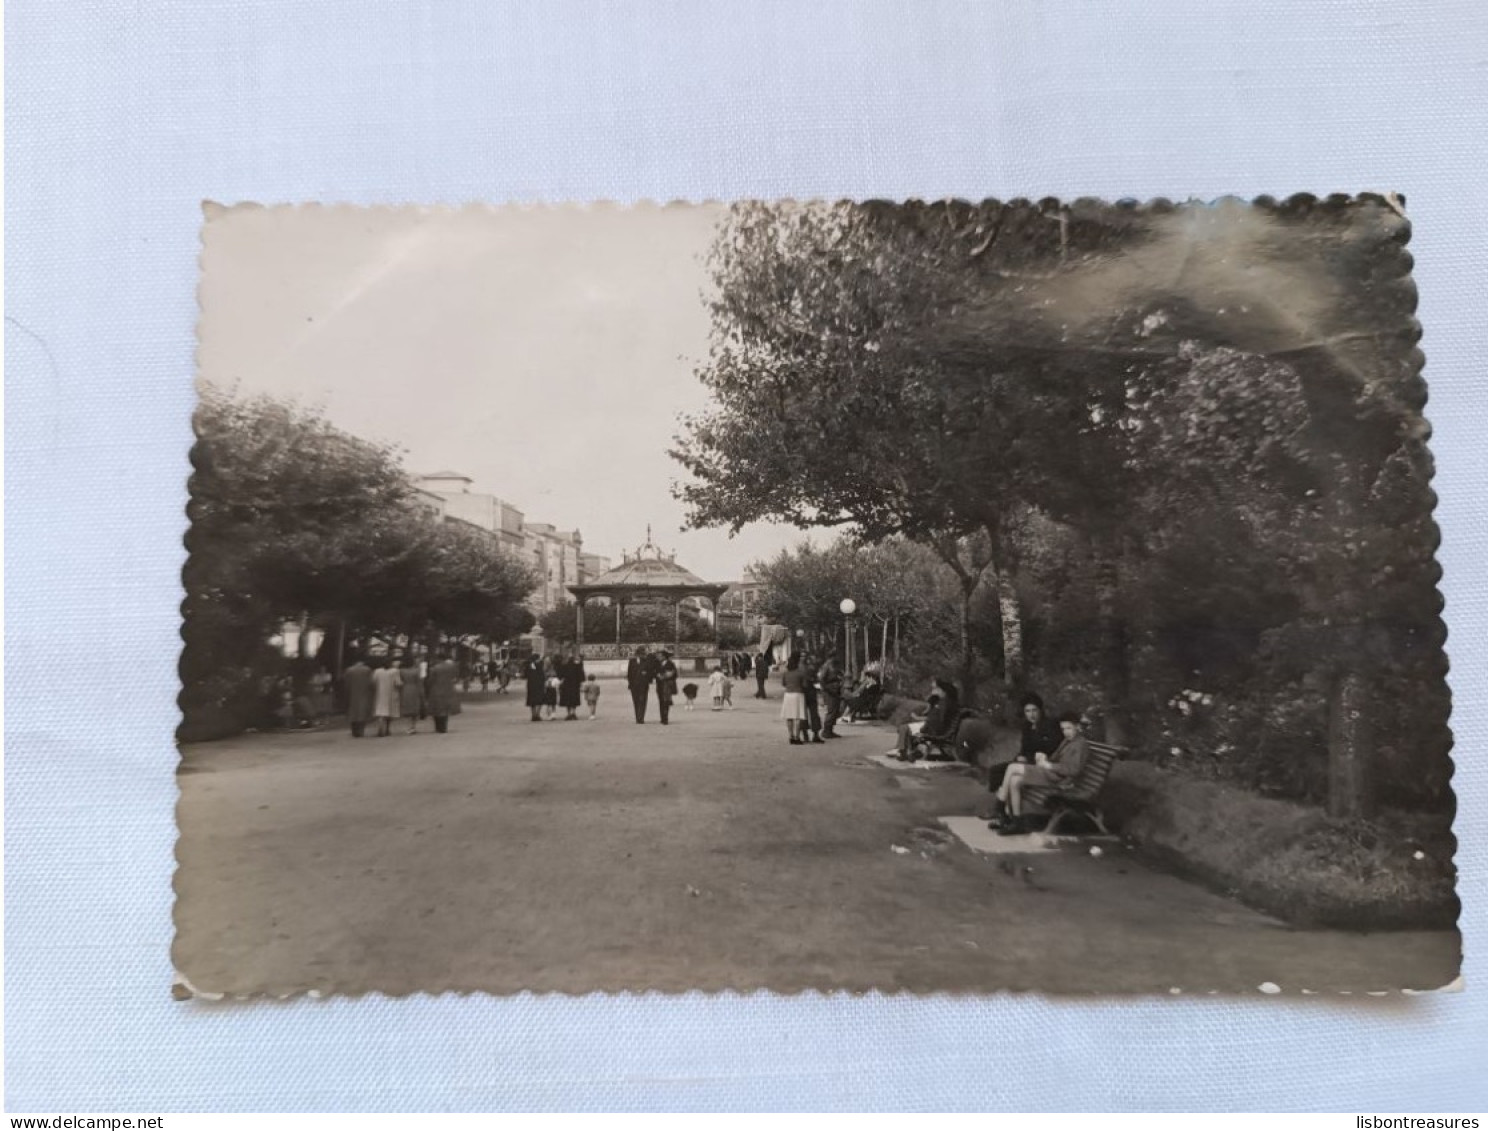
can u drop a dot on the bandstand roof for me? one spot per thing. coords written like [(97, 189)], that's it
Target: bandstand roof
[(648, 570)]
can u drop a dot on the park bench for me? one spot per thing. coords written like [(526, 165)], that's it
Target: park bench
[(946, 747), (1082, 796), (862, 701)]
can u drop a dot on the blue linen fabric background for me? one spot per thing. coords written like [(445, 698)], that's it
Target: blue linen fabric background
[(123, 117)]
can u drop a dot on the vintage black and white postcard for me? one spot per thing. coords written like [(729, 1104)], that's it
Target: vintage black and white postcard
[(945, 597)]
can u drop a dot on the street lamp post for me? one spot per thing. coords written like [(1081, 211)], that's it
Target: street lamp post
[(848, 607)]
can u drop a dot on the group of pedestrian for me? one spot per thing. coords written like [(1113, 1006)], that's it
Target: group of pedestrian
[(295, 700), (382, 689), (559, 681), (488, 672), (645, 671), (812, 699), (739, 665)]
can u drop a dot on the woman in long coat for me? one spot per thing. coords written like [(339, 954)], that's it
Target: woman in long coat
[(571, 675), (385, 699), (537, 686), (411, 693)]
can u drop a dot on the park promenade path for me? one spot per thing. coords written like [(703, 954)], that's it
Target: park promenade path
[(577, 856)]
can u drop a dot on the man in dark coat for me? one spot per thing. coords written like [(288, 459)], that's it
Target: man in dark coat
[(357, 680), (813, 702), (638, 676), (761, 673), (442, 696), (830, 679), (537, 686)]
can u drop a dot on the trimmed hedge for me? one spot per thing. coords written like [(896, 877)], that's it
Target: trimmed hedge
[(1288, 859)]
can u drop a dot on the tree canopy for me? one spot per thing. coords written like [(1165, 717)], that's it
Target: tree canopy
[(295, 520), (1220, 405)]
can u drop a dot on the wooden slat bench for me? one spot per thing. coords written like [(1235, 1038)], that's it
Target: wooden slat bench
[(947, 745), (1082, 796)]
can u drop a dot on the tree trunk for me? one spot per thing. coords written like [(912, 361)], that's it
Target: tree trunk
[(1111, 645), (1011, 615), (1350, 748), (1351, 709), (969, 573), (968, 657)]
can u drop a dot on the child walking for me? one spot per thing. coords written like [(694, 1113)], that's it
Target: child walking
[(591, 695), (715, 686), (728, 692)]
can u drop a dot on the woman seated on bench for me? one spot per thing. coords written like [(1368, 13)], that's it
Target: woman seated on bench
[(936, 726), (1060, 768), (864, 699)]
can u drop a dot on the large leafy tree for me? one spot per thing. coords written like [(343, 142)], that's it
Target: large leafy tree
[(274, 489), (471, 588), (804, 586), (940, 371), (833, 406), (1267, 345), (293, 519), (901, 589)]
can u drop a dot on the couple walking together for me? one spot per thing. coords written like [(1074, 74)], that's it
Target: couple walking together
[(644, 670)]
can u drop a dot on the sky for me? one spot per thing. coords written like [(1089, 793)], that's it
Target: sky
[(544, 352)]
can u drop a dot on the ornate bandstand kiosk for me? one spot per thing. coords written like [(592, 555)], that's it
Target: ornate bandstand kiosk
[(649, 578)]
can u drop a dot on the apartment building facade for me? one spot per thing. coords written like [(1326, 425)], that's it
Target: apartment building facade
[(458, 500), (555, 555), (740, 604)]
